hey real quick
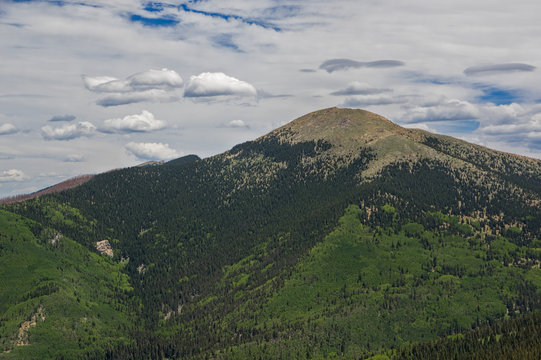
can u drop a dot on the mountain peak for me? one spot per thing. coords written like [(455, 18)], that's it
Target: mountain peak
[(351, 130), (338, 126)]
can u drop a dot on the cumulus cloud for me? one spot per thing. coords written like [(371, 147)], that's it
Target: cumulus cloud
[(152, 151), (359, 88), (217, 84), (12, 175), (68, 131), (236, 124), (150, 85), (144, 122), (445, 110), (344, 64), (498, 69), (7, 128)]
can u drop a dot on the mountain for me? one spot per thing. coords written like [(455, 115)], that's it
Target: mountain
[(338, 234)]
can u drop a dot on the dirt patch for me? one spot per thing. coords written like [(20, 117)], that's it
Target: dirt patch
[(22, 336)]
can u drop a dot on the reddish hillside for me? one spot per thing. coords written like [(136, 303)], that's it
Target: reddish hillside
[(64, 185)]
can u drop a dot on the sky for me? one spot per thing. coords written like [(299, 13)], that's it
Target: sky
[(87, 86)]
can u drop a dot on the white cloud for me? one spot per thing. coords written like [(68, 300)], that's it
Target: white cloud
[(237, 124), (144, 122), (155, 79), (152, 151), (217, 84), (68, 131), (151, 85), (12, 175), (6, 129), (150, 79)]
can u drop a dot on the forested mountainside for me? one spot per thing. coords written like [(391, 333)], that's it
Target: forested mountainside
[(338, 234)]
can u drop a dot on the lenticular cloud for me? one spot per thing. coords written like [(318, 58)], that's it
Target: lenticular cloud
[(498, 69), (344, 64)]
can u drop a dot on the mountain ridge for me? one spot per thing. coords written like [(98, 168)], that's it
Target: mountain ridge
[(231, 256), (348, 129)]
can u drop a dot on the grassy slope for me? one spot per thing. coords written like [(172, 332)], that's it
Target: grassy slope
[(77, 298), (361, 291)]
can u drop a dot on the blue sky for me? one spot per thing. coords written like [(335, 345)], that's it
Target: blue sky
[(88, 86)]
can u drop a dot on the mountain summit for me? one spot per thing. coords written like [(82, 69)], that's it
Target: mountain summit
[(339, 127), (350, 130), (347, 130)]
